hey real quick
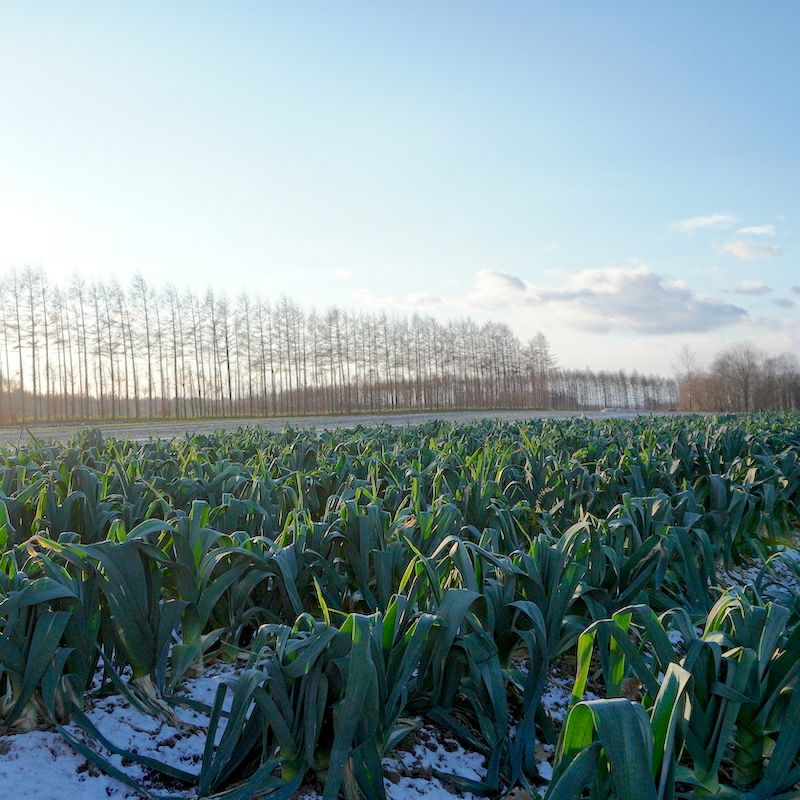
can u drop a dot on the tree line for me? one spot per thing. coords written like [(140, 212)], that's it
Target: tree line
[(88, 350), (739, 378)]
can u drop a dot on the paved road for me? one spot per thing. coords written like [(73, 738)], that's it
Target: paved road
[(171, 428)]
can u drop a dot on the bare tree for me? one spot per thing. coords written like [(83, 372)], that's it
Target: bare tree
[(738, 367), (685, 369), (81, 353)]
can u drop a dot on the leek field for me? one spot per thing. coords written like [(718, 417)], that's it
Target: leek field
[(357, 587)]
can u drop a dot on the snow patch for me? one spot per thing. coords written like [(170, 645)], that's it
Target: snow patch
[(40, 765), (409, 773), (557, 695), (675, 637), (780, 580)]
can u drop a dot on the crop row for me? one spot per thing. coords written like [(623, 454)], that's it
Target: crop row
[(370, 579)]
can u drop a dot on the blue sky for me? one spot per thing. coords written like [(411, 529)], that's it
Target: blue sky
[(623, 175)]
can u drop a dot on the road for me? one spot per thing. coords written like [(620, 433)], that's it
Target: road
[(172, 428)]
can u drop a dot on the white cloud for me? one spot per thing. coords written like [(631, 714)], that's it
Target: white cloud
[(491, 291), (748, 251), (632, 299), (342, 274), (500, 290), (751, 287), (714, 221), (759, 230), (639, 300)]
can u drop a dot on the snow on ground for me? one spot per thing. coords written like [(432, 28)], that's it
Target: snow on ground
[(557, 694), (675, 637), (43, 766), (780, 580), (409, 772), (40, 765), (545, 754)]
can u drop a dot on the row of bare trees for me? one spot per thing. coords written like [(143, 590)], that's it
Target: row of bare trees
[(739, 378), (98, 350)]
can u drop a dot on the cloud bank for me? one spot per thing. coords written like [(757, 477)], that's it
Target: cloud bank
[(617, 299), (638, 300)]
